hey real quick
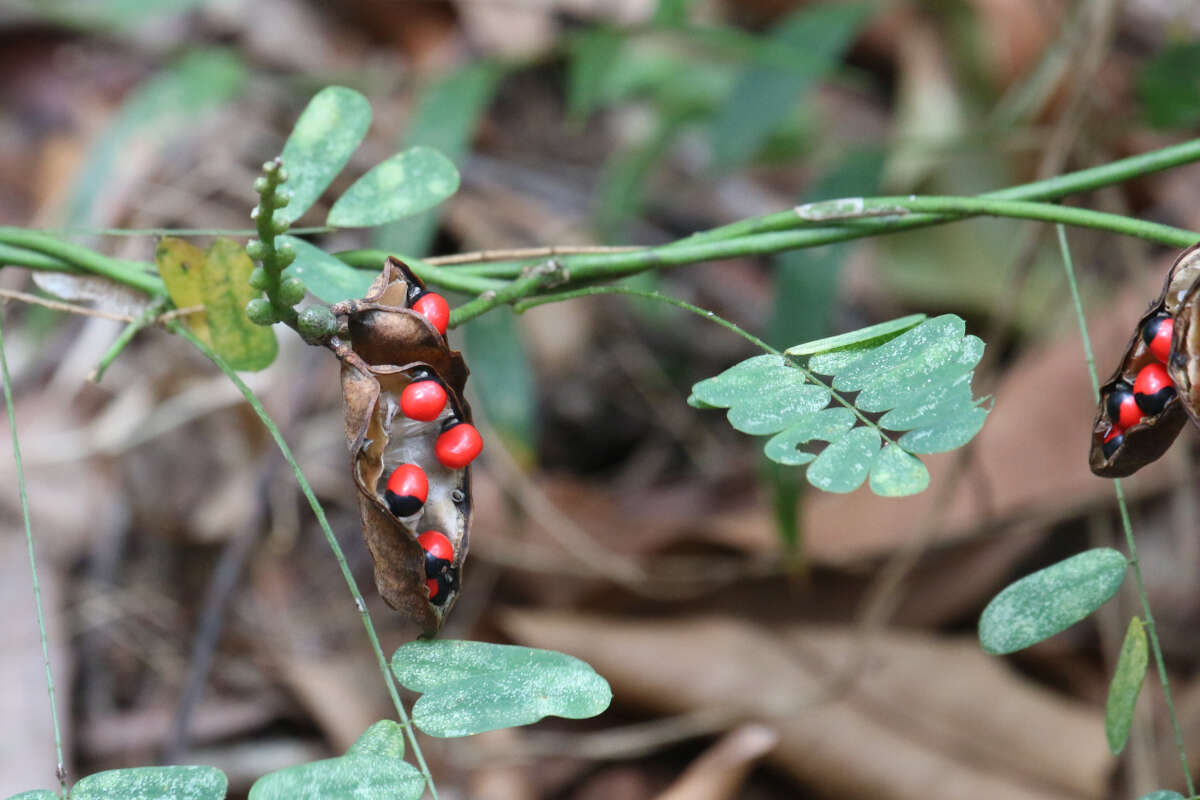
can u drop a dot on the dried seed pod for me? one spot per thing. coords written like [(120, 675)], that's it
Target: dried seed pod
[(391, 346), (1119, 450)]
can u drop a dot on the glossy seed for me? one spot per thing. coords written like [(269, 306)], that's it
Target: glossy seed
[(458, 445), (1153, 389), (423, 400), (407, 489), (1156, 333), (434, 308)]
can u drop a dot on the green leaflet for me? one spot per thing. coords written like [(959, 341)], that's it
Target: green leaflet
[(328, 278), (374, 766), (1126, 685), (899, 389), (153, 783), (1162, 794), (472, 687), (36, 794), (325, 136), (405, 184), (218, 279), (1050, 600)]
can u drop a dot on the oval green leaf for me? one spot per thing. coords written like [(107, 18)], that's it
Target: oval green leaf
[(1126, 685), (153, 783), (327, 133), (472, 687), (895, 473), (405, 184), (1162, 794), (372, 767), (1051, 600), (36, 794), (844, 465), (327, 277), (870, 336)]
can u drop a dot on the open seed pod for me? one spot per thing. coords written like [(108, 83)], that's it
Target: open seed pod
[(1184, 363), (414, 491), (1141, 408)]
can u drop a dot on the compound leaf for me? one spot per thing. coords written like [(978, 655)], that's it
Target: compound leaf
[(374, 766), (891, 391), (1050, 600), (153, 783), (472, 687)]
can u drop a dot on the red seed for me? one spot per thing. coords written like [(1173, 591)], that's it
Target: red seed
[(435, 309), (458, 446), (1157, 336), (423, 400), (407, 490), (437, 545), (1123, 409), (431, 586), (1153, 389)]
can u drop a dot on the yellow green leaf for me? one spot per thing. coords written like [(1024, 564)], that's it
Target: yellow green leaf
[(227, 290), (181, 265)]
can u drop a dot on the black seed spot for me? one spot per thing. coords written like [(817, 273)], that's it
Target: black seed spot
[(402, 505), (1112, 445), (1153, 404)]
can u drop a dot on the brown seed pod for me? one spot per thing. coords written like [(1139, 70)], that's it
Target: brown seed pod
[(1143, 442), (390, 346)]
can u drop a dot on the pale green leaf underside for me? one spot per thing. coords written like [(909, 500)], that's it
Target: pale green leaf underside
[(36, 794), (909, 380), (372, 767), (405, 184), (1126, 685), (1050, 600), (472, 687), (153, 783), (327, 133), (1162, 794)]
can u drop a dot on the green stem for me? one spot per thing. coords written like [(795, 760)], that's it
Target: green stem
[(37, 591), (455, 279), (1134, 563), (130, 273), (1050, 188), (20, 257), (319, 512), (145, 318), (608, 266)]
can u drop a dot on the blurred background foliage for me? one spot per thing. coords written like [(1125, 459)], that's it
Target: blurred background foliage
[(197, 616)]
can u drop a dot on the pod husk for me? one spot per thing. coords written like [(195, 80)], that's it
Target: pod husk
[(1149, 439), (388, 341)]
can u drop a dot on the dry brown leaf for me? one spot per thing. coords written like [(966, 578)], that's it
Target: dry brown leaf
[(927, 718), (719, 773)]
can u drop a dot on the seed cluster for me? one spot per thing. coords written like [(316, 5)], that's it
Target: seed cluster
[(1152, 389)]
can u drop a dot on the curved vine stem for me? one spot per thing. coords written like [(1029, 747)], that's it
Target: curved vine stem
[(176, 327), (1134, 563)]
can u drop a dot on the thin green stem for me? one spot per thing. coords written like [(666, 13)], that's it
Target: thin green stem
[(319, 512), (37, 590), (1134, 563), (902, 213), (711, 316), (662, 298), (119, 344), (455, 279), (1050, 188), (130, 273)]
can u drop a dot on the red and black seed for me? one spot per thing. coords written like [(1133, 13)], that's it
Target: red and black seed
[(1112, 442), (1156, 333), (1153, 389), (1121, 406)]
